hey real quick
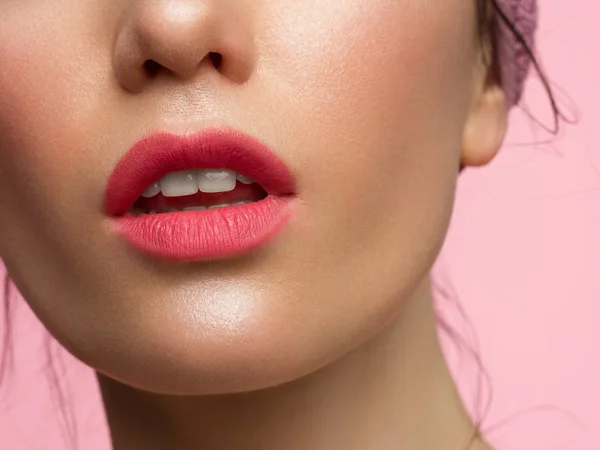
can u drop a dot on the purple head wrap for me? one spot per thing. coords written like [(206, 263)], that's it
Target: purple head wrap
[(513, 58)]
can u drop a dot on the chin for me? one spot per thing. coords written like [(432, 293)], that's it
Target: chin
[(240, 348), (224, 368)]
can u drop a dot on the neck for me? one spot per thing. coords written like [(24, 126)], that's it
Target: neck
[(392, 393)]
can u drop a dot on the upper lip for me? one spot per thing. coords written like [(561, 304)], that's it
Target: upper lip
[(159, 154)]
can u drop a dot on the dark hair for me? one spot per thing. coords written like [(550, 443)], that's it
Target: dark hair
[(489, 25)]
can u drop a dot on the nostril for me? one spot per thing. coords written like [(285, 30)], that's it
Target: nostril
[(151, 67), (216, 59)]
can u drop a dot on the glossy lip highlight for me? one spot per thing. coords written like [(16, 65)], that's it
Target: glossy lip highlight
[(198, 235)]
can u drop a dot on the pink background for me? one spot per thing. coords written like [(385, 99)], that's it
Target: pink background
[(523, 255)]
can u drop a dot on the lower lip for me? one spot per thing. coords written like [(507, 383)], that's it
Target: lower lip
[(207, 234)]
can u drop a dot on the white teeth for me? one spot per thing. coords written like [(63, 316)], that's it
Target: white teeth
[(178, 184), (219, 206), (244, 179), (216, 180), (195, 208), (152, 191)]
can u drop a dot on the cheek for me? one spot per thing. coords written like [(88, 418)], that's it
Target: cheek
[(382, 90), (53, 65), (375, 86), (49, 82), (370, 62)]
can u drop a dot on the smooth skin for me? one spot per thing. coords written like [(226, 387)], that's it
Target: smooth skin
[(325, 338)]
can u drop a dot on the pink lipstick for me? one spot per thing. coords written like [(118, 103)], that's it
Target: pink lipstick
[(241, 202)]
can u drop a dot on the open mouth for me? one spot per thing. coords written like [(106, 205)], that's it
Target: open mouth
[(211, 194), (197, 190)]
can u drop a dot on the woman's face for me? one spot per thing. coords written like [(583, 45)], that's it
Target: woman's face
[(367, 103)]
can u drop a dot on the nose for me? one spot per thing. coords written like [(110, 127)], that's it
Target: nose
[(180, 38)]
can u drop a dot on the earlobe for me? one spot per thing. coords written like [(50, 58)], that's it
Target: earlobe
[(485, 128)]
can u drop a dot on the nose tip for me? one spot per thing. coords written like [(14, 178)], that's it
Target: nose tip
[(179, 38)]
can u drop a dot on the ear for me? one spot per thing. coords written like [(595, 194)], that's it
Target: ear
[(486, 126)]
